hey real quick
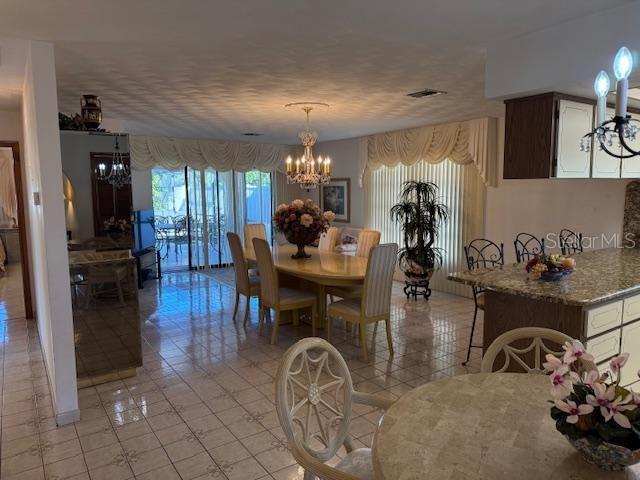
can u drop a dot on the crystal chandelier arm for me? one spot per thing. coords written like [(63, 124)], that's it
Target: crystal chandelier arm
[(623, 142)]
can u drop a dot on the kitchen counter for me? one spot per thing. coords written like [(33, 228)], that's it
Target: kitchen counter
[(599, 303), (600, 276)]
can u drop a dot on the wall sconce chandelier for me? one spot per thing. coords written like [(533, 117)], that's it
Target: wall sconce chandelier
[(119, 173), (307, 171), (620, 128)]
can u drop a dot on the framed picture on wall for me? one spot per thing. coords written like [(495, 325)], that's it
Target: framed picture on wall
[(336, 196)]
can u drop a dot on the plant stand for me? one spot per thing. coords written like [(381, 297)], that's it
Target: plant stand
[(417, 286)]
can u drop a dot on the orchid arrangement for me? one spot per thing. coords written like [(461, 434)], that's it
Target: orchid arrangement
[(550, 263), (301, 222), (587, 403)]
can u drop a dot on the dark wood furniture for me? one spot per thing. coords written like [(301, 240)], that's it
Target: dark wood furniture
[(108, 201)]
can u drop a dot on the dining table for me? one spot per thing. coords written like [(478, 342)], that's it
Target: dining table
[(487, 426), (320, 270)]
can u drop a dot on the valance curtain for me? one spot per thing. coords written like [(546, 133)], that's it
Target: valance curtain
[(8, 199), (472, 141), (175, 153)]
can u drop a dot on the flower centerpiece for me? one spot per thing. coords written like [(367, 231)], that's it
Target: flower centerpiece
[(550, 268), (302, 223), (598, 416)]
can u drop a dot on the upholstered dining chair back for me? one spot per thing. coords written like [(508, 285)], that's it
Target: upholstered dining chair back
[(524, 350), (269, 288), (239, 263), (367, 239), (328, 240), (378, 281), (251, 231)]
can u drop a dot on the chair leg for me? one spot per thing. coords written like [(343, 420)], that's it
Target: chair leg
[(261, 319), (314, 319), (363, 342), (276, 323), (473, 329), (329, 321), (387, 322), (246, 310), (235, 308)]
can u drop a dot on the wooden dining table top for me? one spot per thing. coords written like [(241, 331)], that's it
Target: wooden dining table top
[(327, 268)]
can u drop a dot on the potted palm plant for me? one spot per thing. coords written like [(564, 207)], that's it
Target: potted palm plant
[(420, 215)]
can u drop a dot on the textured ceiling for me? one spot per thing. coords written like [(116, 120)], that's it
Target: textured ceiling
[(216, 69)]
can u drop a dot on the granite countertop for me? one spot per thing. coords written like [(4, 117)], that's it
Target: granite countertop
[(91, 257), (600, 276)]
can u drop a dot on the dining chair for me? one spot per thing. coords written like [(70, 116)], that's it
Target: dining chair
[(280, 299), (251, 231), (328, 240), (375, 303), (527, 246), (367, 239), (314, 401), (115, 274), (542, 342), (480, 253), (247, 284), (570, 242)]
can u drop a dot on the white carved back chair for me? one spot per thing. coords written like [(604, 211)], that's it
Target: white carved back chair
[(280, 299), (247, 282), (541, 340), (314, 397), (374, 305)]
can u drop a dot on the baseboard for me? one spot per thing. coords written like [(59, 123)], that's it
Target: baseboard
[(65, 418)]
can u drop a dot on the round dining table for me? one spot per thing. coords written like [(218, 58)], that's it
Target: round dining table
[(322, 269), (492, 426)]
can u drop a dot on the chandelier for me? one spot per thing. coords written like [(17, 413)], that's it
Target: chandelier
[(119, 173), (618, 130), (307, 171)]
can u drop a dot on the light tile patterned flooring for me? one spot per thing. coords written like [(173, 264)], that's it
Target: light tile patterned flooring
[(203, 404)]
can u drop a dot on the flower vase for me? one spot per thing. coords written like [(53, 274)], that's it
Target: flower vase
[(300, 253)]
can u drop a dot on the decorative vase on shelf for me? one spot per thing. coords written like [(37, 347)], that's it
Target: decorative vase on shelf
[(91, 110)]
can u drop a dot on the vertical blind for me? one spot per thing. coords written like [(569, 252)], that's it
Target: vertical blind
[(459, 187)]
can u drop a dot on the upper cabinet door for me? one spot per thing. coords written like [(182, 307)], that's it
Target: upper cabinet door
[(574, 120), (631, 166), (604, 165)]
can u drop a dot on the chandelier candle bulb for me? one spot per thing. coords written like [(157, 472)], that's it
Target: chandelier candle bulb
[(289, 164), (601, 87), (622, 65)]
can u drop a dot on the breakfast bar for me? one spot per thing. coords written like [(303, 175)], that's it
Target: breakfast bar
[(599, 303)]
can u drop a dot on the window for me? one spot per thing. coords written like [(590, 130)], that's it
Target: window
[(460, 188)]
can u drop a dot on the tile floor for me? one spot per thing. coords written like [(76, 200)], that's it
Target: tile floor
[(203, 404)]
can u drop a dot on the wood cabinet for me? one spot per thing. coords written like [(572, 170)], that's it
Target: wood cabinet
[(629, 343), (542, 140)]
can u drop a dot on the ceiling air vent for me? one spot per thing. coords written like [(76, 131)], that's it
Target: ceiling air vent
[(428, 92), (252, 134)]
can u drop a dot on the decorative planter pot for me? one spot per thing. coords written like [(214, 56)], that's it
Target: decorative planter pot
[(91, 110), (300, 253), (605, 455), (554, 276), (415, 272)]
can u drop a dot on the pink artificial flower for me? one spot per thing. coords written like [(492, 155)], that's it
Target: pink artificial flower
[(635, 398), (572, 410), (615, 409), (561, 382), (574, 350), (590, 378), (602, 397), (618, 362), (552, 363)]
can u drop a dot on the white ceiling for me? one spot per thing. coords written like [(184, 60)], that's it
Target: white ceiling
[(203, 68)]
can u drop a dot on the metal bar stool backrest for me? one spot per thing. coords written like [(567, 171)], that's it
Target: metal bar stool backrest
[(570, 241), (483, 253), (528, 246)]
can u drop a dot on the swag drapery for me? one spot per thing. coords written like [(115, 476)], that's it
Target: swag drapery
[(174, 153), (472, 141)]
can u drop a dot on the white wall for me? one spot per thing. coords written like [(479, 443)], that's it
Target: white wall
[(141, 189), (11, 126), (562, 57), (593, 207), (47, 234)]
